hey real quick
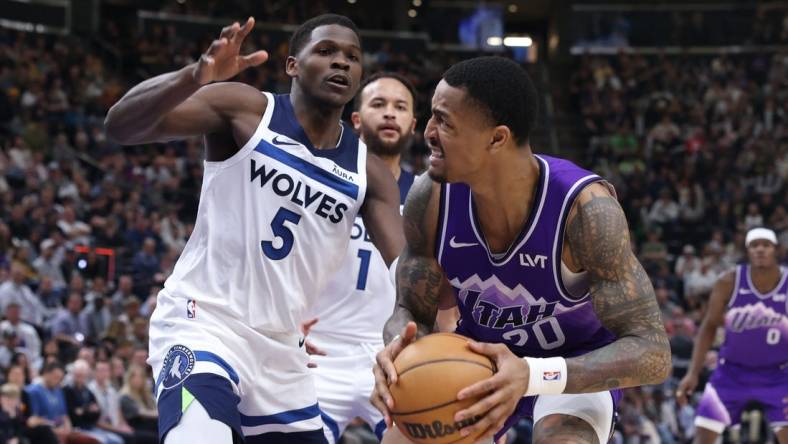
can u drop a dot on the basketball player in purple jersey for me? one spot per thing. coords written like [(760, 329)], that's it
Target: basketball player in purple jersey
[(751, 302), (536, 253)]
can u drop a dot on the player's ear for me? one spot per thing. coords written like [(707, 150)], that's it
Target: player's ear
[(356, 119), (413, 126), (501, 135), (291, 66)]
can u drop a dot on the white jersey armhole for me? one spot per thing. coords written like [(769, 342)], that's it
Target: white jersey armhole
[(250, 144)]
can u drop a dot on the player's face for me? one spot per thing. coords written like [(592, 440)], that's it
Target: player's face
[(456, 135), (762, 253), (385, 117), (328, 68)]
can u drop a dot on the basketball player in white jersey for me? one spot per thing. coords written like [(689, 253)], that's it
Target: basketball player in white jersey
[(358, 300), (284, 180)]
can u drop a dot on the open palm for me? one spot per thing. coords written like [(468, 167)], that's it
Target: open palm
[(223, 59)]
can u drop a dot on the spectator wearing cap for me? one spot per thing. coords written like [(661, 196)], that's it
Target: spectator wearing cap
[(47, 265), (29, 340), (15, 290)]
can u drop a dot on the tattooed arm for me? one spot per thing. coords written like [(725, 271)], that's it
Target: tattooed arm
[(623, 299), (420, 286), (420, 279)]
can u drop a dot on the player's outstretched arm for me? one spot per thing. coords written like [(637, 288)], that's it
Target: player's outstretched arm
[(623, 299), (179, 104), (712, 320), (381, 210)]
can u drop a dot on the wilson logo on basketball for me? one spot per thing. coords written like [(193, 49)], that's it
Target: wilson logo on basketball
[(437, 429)]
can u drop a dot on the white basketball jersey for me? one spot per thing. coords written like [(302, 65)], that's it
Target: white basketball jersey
[(273, 224), (358, 301)]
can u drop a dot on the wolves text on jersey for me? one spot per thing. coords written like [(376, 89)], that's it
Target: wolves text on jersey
[(283, 184)]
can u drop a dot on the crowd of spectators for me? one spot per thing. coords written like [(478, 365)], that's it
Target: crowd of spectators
[(696, 147)]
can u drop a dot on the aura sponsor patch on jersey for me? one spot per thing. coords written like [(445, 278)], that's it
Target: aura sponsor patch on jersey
[(178, 365)]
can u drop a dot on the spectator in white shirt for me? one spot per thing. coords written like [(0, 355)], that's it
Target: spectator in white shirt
[(47, 265), (15, 290)]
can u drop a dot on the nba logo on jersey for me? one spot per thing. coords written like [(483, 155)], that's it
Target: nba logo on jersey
[(191, 309), (178, 364), (551, 376)]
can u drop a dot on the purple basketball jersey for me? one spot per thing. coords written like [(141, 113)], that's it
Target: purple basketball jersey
[(756, 325), (518, 298)]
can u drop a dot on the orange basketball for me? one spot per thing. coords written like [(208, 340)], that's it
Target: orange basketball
[(431, 372)]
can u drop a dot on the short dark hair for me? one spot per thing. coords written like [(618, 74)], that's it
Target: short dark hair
[(385, 75), (51, 366), (303, 33), (502, 88)]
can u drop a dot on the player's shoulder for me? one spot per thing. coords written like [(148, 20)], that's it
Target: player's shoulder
[(727, 279), (421, 211)]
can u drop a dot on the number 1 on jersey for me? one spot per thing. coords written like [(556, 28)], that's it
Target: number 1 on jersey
[(282, 232), (363, 269)]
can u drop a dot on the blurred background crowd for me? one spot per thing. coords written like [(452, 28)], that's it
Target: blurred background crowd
[(696, 145)]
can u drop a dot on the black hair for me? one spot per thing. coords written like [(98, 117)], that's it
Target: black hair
[(502, 89), (51, 366), (385, 75), (303, 33)]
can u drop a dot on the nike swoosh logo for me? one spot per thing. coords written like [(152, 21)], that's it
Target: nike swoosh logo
[(301, 342), (282, 142), (455, 244)]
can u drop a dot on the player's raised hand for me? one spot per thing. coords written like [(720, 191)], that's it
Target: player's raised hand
[(686, 388), (223, 59), (501, 392), (386, 374)]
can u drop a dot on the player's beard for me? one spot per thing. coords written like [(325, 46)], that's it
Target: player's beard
[(385, 149)]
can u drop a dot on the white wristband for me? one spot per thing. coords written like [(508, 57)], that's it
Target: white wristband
[(393, 271), (547, 376)]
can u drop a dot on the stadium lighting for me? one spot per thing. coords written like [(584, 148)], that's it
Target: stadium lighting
[(494, 41), (518, 41), (351, 1), (417, 3), (412, 13), (512, 8)]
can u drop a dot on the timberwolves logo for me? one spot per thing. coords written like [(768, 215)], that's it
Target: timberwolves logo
[(178, 364)]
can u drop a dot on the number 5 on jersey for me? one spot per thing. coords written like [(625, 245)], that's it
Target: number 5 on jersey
[(281, 231)]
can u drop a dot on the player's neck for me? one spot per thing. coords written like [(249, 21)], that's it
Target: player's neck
[(320, 122), (765, 276), (392, 162), (504, 196)]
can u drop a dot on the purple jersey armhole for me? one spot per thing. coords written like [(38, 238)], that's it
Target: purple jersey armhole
[(439, 227)]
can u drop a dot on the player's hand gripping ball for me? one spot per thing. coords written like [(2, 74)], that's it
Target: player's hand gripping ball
[(431, 371)]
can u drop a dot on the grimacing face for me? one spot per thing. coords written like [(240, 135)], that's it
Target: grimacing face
[(329, 67), (385, 118), (458, 136)]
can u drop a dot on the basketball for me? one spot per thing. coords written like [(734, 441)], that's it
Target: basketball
[(431, 372)]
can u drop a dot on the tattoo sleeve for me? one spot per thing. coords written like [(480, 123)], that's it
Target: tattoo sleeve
[(419, 276), (623, 299)]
